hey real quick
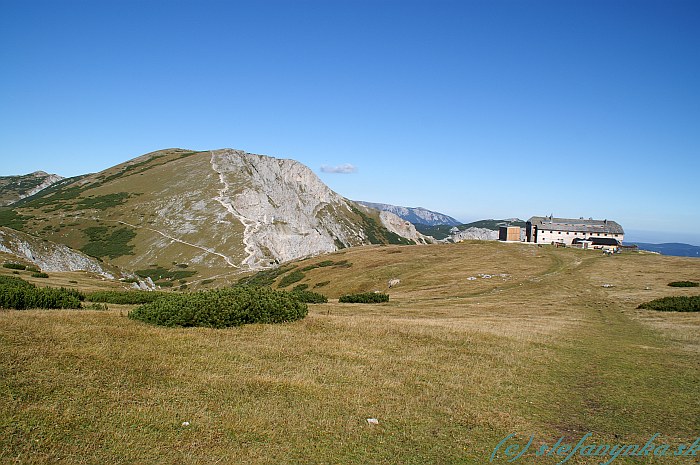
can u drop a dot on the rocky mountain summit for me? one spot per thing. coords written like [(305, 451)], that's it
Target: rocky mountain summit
[(218, 212), (15, 188)]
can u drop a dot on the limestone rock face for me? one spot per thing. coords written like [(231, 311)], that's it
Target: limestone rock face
[(287, 211), (48, 256), (479, 234), (403, 228)]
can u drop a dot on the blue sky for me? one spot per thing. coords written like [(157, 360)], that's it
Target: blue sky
[(478, 109)]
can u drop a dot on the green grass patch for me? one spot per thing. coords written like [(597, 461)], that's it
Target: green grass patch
[(364, 298), (221, 308), (684, 284), (674, 304)]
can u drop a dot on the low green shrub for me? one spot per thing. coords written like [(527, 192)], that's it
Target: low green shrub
[(300, 287), (291, 278), (105, 242), (159, 273), (321, 284), (221, 308), (684, 284), (125, 297), (19, 294), (309, 297), (674, 304), (364, 298), (40, 275), (264, 277), (14, 266)]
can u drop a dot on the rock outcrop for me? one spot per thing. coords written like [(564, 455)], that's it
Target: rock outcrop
[(478, 234), (403, 228), (48, 256), (287, 211)]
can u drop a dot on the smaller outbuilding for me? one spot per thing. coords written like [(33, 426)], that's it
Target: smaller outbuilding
[(509, 233), (605, 243)]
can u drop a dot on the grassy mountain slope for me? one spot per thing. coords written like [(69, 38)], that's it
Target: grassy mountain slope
[(449, 367), (182, 208)]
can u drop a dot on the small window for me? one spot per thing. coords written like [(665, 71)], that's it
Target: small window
[(559, 232)]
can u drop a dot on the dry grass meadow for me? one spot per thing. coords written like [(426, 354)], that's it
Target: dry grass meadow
[(449, 367)]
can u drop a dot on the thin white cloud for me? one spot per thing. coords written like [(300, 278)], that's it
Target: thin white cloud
[(345, 168)]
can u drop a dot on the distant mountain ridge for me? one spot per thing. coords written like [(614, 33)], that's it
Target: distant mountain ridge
[(415, 215), (675, 249), (15, 188)]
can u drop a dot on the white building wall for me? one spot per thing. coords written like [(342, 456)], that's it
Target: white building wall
[(547, 236)]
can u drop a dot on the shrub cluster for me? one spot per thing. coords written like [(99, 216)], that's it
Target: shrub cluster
[(14, 266), (291, 278), (125, 297), (309, 297), (39, 274), (684, 284), (264, 277), (221, 308), (19, 294), (674, 304), (364, 298)]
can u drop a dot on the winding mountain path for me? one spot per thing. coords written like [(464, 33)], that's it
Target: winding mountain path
[(251, 226)]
